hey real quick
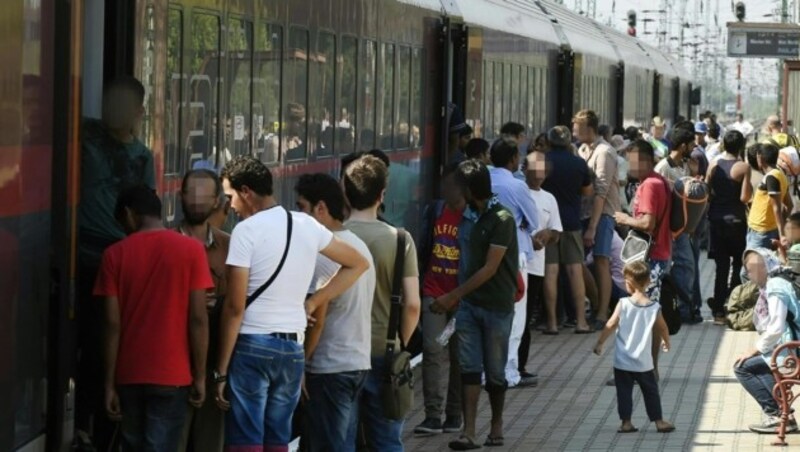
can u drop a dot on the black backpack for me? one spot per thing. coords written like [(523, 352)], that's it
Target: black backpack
[(669, 305)]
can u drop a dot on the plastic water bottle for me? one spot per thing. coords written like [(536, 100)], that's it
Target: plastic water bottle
[(448, 331)]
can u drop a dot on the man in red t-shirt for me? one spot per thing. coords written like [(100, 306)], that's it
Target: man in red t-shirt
[(442, 257), (651, 209), (153, 284)]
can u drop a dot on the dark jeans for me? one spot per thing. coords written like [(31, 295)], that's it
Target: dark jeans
[(756, 378), (623, 380), (535, 307), (381, 434), (727, 247), (331, 412), (152, 416)]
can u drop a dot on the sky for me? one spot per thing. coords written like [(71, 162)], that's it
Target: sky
[(759, 75)]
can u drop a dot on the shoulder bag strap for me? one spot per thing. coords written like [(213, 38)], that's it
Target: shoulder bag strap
[(397, 293), (260, 290)]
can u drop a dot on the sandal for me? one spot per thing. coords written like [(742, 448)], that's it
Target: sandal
[(464, 443), (627, 430), (670, 428), (493, 441)]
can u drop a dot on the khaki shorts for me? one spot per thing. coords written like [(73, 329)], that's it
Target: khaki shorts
[(568, 249)]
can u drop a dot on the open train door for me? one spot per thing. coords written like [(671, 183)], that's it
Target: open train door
[(453, 82)]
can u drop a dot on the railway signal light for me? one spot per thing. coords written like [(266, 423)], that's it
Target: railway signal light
[(632, 23), (739, 10)]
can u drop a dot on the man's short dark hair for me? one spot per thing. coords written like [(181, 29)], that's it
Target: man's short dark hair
[(714, 130), (473, 175), (632, 133), (322, 187), (503, 152), (769, 154), (512, 128), (246, 171), (348, 159), (476, 147), (733, 142), (381, 155), (679, 136), (141, 200), (364, 181), (130, 84), (686, 125), (751, 155), (643, 148), (202, 173)]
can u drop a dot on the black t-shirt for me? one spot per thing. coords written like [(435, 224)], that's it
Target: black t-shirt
[(567, 175)]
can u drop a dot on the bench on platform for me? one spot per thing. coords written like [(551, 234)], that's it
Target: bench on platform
[(786, 376)]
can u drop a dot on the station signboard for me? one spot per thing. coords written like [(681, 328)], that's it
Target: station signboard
[(763, 40)]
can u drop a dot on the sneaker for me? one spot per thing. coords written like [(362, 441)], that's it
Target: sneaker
[(524, 374), (770, 425), (452, 424), (430, 426)]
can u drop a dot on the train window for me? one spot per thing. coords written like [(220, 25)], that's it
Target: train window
[(324, 89), (507, 93), (295, 114), (386, 107), (238, 127), (417, 104), (173, 93), (203, 104), (533, 97), (542, 86), (346, 95), (498, 99), (267, 92), (516, 95), (368, 98), (403, 98), (149, 74), (488, 100)]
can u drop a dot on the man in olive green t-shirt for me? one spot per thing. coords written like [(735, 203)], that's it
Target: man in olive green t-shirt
[(484, 318), (365, 182)]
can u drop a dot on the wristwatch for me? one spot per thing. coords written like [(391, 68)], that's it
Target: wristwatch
[(218, 377)]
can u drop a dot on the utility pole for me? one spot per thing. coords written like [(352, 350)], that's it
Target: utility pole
[(784, 19)]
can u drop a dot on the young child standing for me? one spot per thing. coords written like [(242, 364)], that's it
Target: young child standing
[(634, 320)]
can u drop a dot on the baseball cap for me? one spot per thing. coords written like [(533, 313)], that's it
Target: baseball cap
[(700, 127)]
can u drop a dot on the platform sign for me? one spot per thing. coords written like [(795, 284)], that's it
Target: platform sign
[(763, 40)]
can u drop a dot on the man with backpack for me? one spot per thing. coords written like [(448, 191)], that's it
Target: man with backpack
[(650, 214)]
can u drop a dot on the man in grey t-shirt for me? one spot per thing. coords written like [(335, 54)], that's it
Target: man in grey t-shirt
[(338, 345)]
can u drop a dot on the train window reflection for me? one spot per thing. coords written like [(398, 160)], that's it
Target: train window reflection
[(516, 95), (507, 93), (238, 127), (403, 132), (368, 98), (203, 101), (488, 100), (498, 99), (295, 114), (267, 92), (417, 104), (173, 94), (324, 89), (346, 95), (386, 108)]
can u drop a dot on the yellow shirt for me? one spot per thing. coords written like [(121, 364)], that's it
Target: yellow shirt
[(762, 218)]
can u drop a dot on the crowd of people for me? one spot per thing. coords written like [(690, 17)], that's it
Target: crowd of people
[(306, 311)]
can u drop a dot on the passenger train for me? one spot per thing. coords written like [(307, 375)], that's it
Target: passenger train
[(295, 83)]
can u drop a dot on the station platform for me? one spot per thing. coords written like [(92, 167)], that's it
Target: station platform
[(572, 409)]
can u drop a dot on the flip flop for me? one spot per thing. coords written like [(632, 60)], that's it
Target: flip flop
[(627, 430), (464, 443), (493, 441), (671, 428)]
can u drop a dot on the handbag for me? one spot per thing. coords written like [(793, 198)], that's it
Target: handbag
[(397, 388), (252, 297)]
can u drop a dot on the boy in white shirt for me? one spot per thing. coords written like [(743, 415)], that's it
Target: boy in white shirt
[(549, 230)]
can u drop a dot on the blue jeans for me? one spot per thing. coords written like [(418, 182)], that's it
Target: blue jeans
[(263, 388), (152, 416), (757, 239), (683, 272), (382, 434), (331, 412), (483, 344), (757, 379)]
